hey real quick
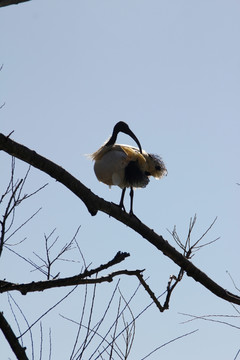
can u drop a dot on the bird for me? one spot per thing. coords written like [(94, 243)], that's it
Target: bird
[(126, 166)]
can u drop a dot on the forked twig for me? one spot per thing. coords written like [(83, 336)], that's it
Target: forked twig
[(188, 249), (210, 319), (13, 197)]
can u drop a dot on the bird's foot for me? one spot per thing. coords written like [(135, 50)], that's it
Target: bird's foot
[(131, 213), (121, 206)]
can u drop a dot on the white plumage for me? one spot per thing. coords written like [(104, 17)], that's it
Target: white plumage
[(110, 169), (126, 166)]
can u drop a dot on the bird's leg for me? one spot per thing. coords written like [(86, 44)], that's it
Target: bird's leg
[(121, 201), (131, 201)]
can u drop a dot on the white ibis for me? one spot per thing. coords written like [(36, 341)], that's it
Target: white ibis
[(125, 165)]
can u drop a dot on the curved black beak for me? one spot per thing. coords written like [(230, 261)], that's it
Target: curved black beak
[(133, 136), (123, 127)]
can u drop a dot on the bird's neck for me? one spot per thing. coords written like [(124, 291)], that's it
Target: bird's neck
[(112, 140)]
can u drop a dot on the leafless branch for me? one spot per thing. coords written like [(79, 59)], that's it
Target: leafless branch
[(95, 204), (50, 344), (112, 344), (187, 246), (169, 342), (237, 355), (237, 288), (69, 281), (149, 291), (13, 198), (41, 341), (80, 323), (94, 331), (48, 311), (11, 2), (132, 322), (172, 283), (46, 264), (18, 350), (2, 105), (84, 345), (10, 209), (80, 279), (12, 302), (210, 318), (96, 328), (24, 259), (21, 226), (130, 329)]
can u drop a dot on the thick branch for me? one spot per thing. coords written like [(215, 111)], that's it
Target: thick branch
[(80, 279), (57, 172), (94, 203), (69, 281), (11, 2), (18, 350)]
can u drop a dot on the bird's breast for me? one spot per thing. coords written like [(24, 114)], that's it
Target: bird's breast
[(121, 166), (110, 168)]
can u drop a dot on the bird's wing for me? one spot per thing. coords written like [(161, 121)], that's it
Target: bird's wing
[(133, 154), (97, 155)]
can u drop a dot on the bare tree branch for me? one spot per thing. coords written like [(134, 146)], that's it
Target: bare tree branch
[(169, 342), (119, 329), (237, 355), (11, 2), (13, 303), (210, 318), (80, 279), (13, 198), (150, 292), (69, 281), (18, 350), (95, 204)]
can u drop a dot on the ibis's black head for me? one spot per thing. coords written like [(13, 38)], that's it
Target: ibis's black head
[(121, 126)]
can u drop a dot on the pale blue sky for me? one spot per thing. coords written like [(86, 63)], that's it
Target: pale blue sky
[(171, 70)]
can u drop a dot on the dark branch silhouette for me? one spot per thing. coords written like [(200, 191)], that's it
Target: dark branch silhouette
[(95, 204), (67, 281), (11, 2), (18, 350), (80, 279)]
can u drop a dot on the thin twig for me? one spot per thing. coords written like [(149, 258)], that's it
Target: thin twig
[(237, 355), (50, 344), (46, 312), (208, 318), (41, 341), (10, 297), (169, 342), (234, 284), (122, 331), (89, 322), (130, 332), (23, 224), (114, 331), (80, 325), (100, 322)]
